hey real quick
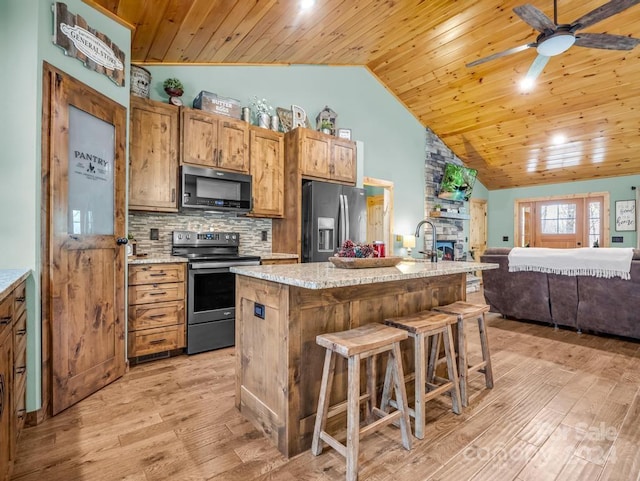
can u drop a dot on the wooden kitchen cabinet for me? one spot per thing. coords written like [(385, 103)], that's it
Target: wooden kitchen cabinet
[(267, 171), (214, 141), (270, 262), (153, 156), (323, 156), (156, 308), (13, 375)]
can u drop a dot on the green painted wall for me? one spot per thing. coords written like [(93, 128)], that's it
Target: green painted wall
[(394, 141), (501, 204), (26, 29)]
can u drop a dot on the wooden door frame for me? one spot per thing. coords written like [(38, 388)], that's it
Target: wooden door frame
[(606, 214), (387, 185)]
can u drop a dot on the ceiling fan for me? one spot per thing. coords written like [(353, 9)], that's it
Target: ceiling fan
[(556, 38)]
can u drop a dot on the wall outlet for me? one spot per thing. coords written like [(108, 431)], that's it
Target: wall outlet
[(154, 234), (264, 235), (505, 238)]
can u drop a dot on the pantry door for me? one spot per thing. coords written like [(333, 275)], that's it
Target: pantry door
[(86, 232)]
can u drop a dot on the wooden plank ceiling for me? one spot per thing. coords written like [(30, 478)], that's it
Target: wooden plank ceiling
[(418, 50)]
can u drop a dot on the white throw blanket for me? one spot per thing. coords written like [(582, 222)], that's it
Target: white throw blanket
[(598, 262)]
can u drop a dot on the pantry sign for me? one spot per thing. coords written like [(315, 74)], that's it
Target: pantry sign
[(94, 49)]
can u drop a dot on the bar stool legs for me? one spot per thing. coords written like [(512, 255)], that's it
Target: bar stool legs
[(466, 311), (362, 343), (422, 327)]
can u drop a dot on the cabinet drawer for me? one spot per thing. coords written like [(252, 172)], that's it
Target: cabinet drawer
[(156, 273), (20, 337), (6, 313), (147, 293), (150, 341), (19, 300), (154, 315)]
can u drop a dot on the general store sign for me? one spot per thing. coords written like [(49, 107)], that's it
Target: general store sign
[(94, 49)]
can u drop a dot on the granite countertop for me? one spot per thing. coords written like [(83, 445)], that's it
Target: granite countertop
[(10, 278), (323, 275), (156, 259), (278, 255)]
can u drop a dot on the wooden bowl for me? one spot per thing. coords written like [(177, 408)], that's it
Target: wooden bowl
[(358, 263)]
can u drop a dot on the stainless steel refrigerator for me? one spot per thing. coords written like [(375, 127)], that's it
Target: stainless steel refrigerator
[(331, 214)]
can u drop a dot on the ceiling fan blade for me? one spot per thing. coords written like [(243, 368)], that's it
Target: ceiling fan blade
[(604, 11), (537, 67), (535, 17), (501, 54), (606, 41)]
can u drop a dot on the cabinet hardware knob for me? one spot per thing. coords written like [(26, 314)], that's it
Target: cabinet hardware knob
[(157, 341), (4, 321), (159, 274), (160, 293), (21, 332), (173, 195), (21, 369), (20, 299), (157, 316)]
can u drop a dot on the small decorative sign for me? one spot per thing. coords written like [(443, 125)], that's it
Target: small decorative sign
[(94, 49), (625, 215)]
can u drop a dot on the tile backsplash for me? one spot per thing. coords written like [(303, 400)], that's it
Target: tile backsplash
[(250, 230)]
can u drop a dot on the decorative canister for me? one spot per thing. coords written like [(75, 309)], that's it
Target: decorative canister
[(246, 114), (275, 123), (378, 248), (140, 81)]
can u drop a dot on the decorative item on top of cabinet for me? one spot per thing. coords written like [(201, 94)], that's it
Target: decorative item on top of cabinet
[(156, 309), (13, 375), (174, 89), (214, 141), (267, 170), (153, 156), (326, 119)]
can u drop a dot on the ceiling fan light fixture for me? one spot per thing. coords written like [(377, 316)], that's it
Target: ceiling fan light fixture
[(527, 84), (556, 44)]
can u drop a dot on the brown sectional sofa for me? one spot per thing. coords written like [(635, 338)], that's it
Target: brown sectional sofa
[(610, 306)]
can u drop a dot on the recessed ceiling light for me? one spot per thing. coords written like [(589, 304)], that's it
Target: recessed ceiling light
[(559, 139), (305, 4), (527, 84)]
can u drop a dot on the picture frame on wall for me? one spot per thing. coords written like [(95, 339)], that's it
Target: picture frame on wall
[(344, 134), (625, 215)]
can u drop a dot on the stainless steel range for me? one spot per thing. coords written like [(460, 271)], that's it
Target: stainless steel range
[(211, 288)]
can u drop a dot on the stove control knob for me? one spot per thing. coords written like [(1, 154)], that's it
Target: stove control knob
[(226, 237), (179, 236), (188, 236), (233, 237)]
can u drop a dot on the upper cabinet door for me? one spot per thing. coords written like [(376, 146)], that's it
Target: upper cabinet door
[(343, 160), (233, 143), (153, 156), (199, 138), (267, 170), (316, 153)]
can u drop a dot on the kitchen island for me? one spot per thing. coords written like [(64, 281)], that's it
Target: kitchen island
[(280, 309)]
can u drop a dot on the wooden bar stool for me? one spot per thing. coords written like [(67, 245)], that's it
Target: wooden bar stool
[(363, 342), (466, 311), (422, 327)]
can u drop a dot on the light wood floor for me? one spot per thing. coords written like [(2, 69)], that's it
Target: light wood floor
[(565, 406)]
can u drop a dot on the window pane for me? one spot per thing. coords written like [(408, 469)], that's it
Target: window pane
[(549, 226)]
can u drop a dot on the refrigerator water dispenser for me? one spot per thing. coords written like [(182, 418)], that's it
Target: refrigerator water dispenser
[(326, 234)]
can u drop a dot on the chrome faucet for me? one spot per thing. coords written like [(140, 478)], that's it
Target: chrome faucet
[(434, 249)]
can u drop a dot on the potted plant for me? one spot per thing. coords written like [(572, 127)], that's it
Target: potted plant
[(262, 110), (437, 207), (326, 127), (173, 87)]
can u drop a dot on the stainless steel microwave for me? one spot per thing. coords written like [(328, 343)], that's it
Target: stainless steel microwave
[(215, 190)]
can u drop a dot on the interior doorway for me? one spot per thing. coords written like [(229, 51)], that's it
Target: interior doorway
[(379, 211)]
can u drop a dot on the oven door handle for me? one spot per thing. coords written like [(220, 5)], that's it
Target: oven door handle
[(221, 265)]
